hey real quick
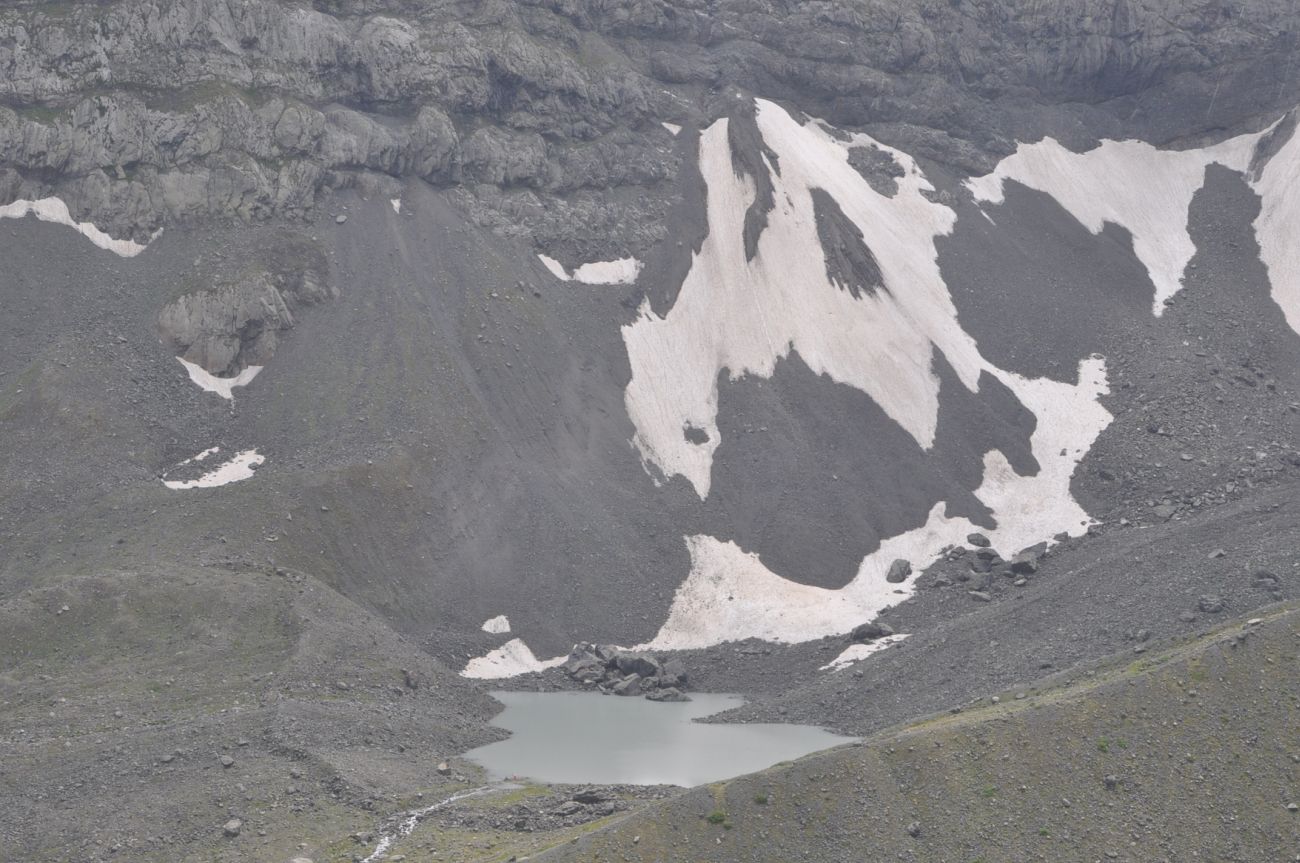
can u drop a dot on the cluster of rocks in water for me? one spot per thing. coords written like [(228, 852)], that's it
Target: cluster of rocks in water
[(627, 672)]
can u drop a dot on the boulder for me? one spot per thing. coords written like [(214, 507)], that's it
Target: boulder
[(899, 570), (673, 674), (870, 631), (668, 694), (1211, 604), (978, 540), (1023, 564), (641, 664), (630, 685), (232, 827), (586, 669)]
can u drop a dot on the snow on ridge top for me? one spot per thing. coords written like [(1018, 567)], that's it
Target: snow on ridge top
[(623, 271), (1145, 190), (56, 211), (239, 468), (213, 384)]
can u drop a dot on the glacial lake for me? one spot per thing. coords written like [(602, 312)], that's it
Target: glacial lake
[(585, 737)]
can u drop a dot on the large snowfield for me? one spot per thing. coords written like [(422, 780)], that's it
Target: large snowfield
[(740, 315)]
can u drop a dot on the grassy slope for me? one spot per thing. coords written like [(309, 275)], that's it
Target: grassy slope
[(1192, 753)]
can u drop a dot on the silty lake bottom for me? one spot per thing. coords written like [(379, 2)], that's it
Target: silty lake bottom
[(586, 737)]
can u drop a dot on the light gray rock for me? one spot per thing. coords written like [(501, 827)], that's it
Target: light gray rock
[(630, 685)]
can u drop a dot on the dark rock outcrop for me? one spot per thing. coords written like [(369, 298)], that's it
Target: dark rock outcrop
[(626, 672)]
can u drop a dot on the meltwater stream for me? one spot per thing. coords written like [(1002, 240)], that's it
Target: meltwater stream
[(586, 737)]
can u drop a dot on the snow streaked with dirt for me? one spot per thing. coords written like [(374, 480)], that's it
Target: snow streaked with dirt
[(56, 211), (857, 652), (221, 386), (1145, 190), (396, 204), (509, 660), (498, 625), (742, 316), (730, 595), (1277, 227), (623, 271), (240, 467)]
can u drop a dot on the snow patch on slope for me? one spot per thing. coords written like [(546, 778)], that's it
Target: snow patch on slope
[(213, 384), (1145, 190), (509, 660), (54, 210), (619, 272), (240, 467), (1277, 227), (858, 652), (742, 315), (498, 625), (673, 128), (396, 204)]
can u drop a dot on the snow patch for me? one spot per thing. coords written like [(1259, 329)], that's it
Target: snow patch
[(240, 467), (729, 595), (858, 652), (498, 625), (509, 660), (221, 386), (397, 205), (743, 314), (200, 457), (623, 271), (1145, 190), (673, 129), (54, 210), (1277, 227)]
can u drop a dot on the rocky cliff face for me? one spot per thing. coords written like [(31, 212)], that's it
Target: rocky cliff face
[(140, 113), (235, 321)]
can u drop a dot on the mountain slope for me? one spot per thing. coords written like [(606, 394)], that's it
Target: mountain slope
[(1178, 753), (356, 336)]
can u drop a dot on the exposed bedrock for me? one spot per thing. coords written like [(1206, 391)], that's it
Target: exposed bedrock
[(141, 113), (237, 322)]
